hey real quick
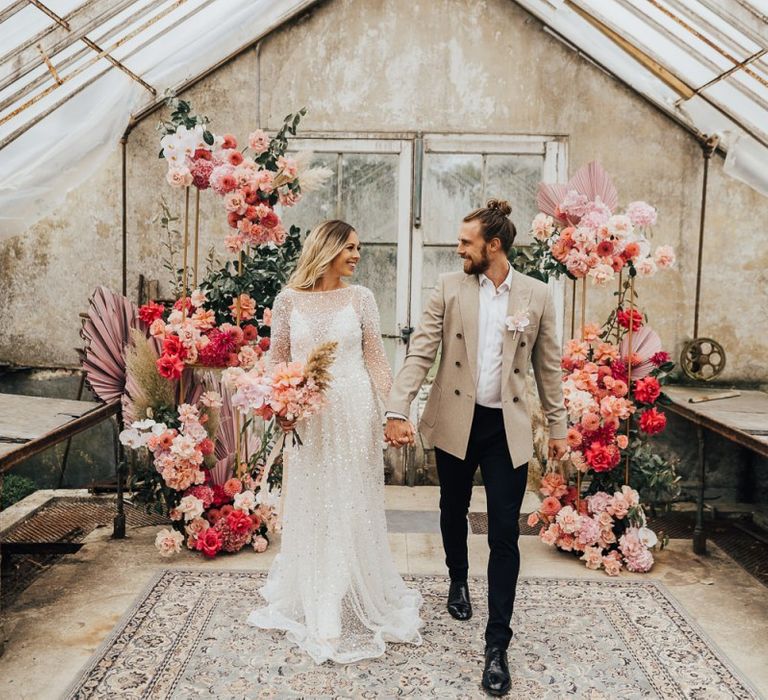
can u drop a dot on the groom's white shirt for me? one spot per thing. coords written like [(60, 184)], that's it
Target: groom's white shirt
[(492, 311)]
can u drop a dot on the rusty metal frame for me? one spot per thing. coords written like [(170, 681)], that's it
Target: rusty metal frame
[(681, 44), (27, 125), (657, 66), (104, 53), (75, 57), (737, 63), (716, 8), (59, 45)]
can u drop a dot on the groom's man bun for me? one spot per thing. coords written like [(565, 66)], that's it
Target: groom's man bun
[(494, 222)]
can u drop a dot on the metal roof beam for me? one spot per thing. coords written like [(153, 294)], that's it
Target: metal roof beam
[(12, 9), (43, 78), (735, 13), (25, 58), (663, 73), (39, 117)]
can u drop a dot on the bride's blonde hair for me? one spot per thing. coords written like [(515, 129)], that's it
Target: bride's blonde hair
[(322, 245)]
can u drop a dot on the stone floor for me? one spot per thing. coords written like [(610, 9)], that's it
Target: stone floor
[(61, 619)]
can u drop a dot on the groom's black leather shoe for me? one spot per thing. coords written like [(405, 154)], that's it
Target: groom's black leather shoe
[(496, 673), (458, 600)]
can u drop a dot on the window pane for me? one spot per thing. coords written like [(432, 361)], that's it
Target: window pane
[(516, 179), (378, 271), (319, 205), (436, 261), (369, 194), (452, 188)]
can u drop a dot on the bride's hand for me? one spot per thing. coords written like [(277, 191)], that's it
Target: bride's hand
[(286, 425)]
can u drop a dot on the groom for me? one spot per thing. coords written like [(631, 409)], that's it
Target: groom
[(492, 322)]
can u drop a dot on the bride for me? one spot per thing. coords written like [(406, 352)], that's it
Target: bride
[(333, 587)]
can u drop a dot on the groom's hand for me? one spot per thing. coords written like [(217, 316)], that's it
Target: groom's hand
[(557, 449), (399, 432)]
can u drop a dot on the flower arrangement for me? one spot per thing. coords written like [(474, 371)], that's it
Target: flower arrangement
[(578, 232), (606, 531), (190, 335), (289, 390), (211, 511), (251, 180), (600, 394)]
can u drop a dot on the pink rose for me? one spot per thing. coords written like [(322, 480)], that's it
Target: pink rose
[(179, 177), (592, 557), (664, 257), (550, 535), (168, 542), (258, 141), (260, 544), (550, 506), (612, 565), (568, 519), (533, 519)]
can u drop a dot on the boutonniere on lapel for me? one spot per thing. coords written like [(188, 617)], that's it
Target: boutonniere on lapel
[(518, 322)]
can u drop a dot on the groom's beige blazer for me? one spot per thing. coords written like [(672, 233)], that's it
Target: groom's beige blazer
[(451, 318)]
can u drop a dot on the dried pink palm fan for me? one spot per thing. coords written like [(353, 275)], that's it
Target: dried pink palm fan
[(226, 434), (106, 331), (645, 344), (591, 180)]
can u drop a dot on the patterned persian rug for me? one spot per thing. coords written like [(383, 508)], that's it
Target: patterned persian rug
[(186, 638)]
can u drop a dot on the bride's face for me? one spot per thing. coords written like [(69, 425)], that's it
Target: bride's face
[(345, 263)]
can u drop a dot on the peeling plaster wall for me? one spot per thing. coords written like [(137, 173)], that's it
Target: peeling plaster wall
[(443, 65)]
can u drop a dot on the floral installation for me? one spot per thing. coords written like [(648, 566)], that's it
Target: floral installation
[(211, 511), (190, 335), (579, 232), (601, 395), (606, 531), (251, 179)]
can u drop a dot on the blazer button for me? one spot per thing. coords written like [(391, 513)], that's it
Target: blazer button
[(458, 335), (458, 364), (517, 370), (522, 345), (456, 391), (515, 400)]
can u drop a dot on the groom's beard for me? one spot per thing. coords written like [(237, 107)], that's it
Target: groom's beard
[(477, 267)]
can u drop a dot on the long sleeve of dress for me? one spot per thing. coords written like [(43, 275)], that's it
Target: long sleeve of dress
[(373, 348), (280, 336)]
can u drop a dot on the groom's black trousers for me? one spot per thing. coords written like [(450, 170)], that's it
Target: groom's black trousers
[(504, 489)]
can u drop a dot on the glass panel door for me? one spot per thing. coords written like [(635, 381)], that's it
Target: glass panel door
[(370, 189)]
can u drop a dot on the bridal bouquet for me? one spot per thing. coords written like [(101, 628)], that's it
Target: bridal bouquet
[(289, 390), (607, 531), (190, 334)]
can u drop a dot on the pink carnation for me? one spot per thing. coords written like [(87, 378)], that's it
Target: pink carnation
[(641, 214)]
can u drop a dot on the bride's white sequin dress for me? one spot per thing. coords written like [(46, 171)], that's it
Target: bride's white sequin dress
[(334, 587)]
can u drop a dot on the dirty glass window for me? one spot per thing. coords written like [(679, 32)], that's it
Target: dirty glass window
[(363, 192), (455, 184)]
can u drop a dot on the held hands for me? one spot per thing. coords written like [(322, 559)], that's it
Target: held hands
[(399, 432)]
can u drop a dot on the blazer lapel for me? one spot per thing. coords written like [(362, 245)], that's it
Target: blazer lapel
[(519, 300), (469, 307)]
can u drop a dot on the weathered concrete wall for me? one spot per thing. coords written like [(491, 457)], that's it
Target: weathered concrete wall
[(445, 65)]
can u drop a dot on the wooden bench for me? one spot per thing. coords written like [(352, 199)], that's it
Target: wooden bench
[(742, 419)]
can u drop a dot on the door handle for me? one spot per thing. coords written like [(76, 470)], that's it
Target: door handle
[(403, 335)]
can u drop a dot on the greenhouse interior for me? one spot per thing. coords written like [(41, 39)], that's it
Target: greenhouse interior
[(342, 337)]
